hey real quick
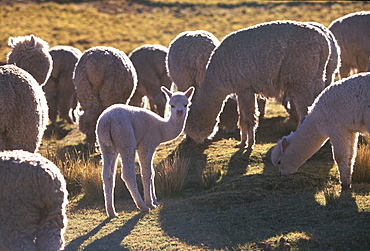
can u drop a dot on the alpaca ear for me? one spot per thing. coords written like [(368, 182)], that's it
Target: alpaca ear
[(189, 92), (167, 92), (11, 42), (33, 41), (284, 144)]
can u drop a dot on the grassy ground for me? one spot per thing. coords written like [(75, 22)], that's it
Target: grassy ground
[(250, 207)]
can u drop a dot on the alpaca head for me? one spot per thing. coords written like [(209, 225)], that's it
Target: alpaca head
[(179, 102), (31, 54), (281, 157)]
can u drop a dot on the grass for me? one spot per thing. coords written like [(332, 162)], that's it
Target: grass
[(230, 199)]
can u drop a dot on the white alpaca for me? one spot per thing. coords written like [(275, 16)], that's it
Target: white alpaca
[(340, 112), (123, 129)]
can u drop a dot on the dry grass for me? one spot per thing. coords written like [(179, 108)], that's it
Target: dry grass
[(361, 170), (170, 175)]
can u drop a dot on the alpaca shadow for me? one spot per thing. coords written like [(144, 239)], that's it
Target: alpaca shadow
[(188, 149), (239, 162), (57, 131), (245, 209), (112, 240), (76, 243)]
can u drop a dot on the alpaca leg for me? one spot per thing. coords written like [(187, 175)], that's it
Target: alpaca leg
[(147, 175), (129, 177), (261, 101), (299, 108), (108, 176), (344, 145), (248, 118)]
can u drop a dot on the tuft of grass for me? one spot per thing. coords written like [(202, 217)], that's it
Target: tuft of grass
[(211, 175), (331, 196), (170, 175), (361, 169), (81, 171)]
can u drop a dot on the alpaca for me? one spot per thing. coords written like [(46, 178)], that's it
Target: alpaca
[(187, 58), (352, 32), (31, 54), (23, 106), (339, 113), (123, 129), (275, 58), (59, 90), (150, 64), (103, 76), (33, 199)]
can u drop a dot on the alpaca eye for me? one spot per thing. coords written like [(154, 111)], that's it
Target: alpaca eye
[(172, 106), (279, 162)]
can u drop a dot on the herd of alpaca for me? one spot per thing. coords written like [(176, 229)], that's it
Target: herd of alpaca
[(290, 61)]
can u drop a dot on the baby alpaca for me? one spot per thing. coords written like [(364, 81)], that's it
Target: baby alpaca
[(339, 113), (123, 129)]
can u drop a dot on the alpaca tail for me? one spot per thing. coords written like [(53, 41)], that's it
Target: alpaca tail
[(104, 133)]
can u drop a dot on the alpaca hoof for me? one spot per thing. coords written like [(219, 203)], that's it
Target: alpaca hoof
[(153, 206), (240, 145), (112, 214), (144, 209)]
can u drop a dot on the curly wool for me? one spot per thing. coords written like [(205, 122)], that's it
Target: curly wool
[(150, 64), (31, 54), (33, 199), (352, 32), (188, 56), (103, 76), (23, 110)]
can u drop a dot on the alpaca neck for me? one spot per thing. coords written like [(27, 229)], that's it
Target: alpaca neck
[(206, 108), (172, 128), (305, 142)]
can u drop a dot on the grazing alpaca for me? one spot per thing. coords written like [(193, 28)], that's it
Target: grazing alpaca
[(274, 59), (188, 54), (340, 112), (103, 76), (123, 129)]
